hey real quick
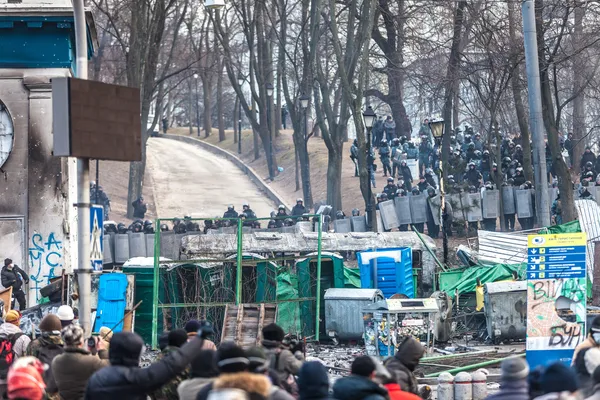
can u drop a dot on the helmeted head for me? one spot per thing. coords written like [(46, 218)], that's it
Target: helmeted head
[(401, 193), (431, 191), (390, 180), (230, 207), (245, 206), (299, 201), (471, 165), (415, 191), (355, 212)]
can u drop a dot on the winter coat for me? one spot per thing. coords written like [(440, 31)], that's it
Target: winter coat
[(298, 211), (20, 345), (257, 386), (586, 362), (11, 277), (596, 394), (282, 361), (168, 391), (73, 369), (122, 382), (511, 390), (588, 342), (591, 157), (188, 389), (313, 382), (404, 363), (396, 393), (139, 209), (355, 387), (46, 348)]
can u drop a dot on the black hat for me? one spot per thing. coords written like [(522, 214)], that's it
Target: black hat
[(125, 349), (273, 332), (177, 338), (557, 378), (231, 358), (205, 365), (258, 360), (7, 262), (595, 327)]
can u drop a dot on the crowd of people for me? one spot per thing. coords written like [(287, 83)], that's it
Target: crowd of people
[(62, 363), (99, 197)]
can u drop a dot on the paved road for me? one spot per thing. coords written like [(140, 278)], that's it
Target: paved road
[(190, 180)]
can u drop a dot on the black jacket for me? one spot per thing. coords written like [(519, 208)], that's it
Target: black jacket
[(298, 211), (121, 382), (11, 277), (139, 209), (404, 363), (358, 388)]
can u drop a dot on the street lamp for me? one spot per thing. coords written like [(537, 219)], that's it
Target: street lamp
[(437, 129), (197, 105), (269, 87), (240, 82), (214, 4), (304, 101), (369, 118)]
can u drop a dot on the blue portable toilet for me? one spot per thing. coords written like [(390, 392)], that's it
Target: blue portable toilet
[(389, 270), (111, 301)]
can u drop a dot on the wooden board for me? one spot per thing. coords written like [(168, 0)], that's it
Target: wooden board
[(6, 295), (128, 321)]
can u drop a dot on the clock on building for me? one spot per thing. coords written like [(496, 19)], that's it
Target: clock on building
[(6, 134)]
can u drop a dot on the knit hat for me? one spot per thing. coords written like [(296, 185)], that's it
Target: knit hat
[(125, 349), (25, 380), (258, 360), (177, 338), (7, 262), (595, 326), (106, 333), (50, 323), (273, 332), (231, 358), (514, 369), (205, 365), (559, 378), (192, 326), (13, 317), (72, 335)]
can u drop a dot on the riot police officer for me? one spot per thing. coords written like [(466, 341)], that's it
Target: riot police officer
[(420, 227)]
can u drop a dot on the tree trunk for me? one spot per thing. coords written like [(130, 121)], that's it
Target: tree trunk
[(565, 184), (517, 90), (334, 178), (220, 116), (206, 100), (192, 110), (578, 92), (296, 170)]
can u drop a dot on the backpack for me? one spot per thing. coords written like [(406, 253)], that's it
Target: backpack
[(46, 354), (7, 353)]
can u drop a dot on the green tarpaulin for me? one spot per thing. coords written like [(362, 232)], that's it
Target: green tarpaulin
[(569, 227), (486, 273)]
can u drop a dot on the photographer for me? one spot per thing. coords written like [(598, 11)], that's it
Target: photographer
[(76, 365)]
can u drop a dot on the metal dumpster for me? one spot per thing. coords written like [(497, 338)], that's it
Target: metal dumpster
[(343, 317), (506, 310)]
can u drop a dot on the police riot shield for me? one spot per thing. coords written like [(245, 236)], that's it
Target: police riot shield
[(524, 203), (108, 248), (458, 212), (508, 199), (121, 248), (387, 210), (434, 204), (418, 208), (137, 244), (342, 225), (403, 210), (490, 201), (473, 205), (149, 244), (380, 227), (552, 193), (414, 169), (359, 224)]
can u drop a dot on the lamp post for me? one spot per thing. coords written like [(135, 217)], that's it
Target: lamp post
[(197, 104), (437, 130), (304, 100), (240, 82), (269, 87), (369, 117)]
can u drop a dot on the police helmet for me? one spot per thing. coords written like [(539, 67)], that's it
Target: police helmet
[(355, 212), (471, 145), (390, 179), (383, 196), (230, 207), (518, 147), (396, 141), (288, 222), (415, 191), (355, 142), (401, 192), (340, 214), (245, 205), (164, 228), (506, 160), (403, 163), (589, 174), (383, 141), (147, 223), (281, 207), (486, 152), (489, 186), (430, 191), (298, 200), (472, 189), (471, 165), (477, 153), (589, 164)]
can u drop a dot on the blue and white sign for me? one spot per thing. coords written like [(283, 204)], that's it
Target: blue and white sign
[(96, 237)]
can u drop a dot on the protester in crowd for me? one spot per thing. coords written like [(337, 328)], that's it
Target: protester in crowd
[(105, 334), (283, 361), (11, 276), (313, 382), (231, 361), (558, 382), (66, 315), (534, 382), (76, 365), (139, 208), (390, 384), (596, 388), (194, 326), (10, 329), (360, 385), (592, 340), (168, 391), (123, 379), (404, 363), (203, 371), (513, 380), (46, 347), (259, 364), (25, 380)]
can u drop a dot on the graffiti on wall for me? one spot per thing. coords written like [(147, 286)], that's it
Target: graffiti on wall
[(45, 258)]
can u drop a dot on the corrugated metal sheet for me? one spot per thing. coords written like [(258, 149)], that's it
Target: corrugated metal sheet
[(502, 247), (503, 287), (588, 212), (361, 294), (343, 311)]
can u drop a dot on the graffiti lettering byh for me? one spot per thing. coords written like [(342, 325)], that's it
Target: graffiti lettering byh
[(45, 255)]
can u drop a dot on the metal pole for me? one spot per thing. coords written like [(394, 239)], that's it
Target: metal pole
[(97, 180), (270, 161), (319, 247), (84, 269), (240, 127), (238, 289), (535, 112), (155, 298), (369, 191)]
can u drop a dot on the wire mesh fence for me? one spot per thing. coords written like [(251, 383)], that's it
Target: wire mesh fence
[(210, 284)]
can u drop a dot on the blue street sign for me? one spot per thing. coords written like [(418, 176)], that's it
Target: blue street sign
[(556, 250), (96, 237), (557, 258)]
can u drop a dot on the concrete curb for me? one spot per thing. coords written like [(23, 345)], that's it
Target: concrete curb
[(262, 185)]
